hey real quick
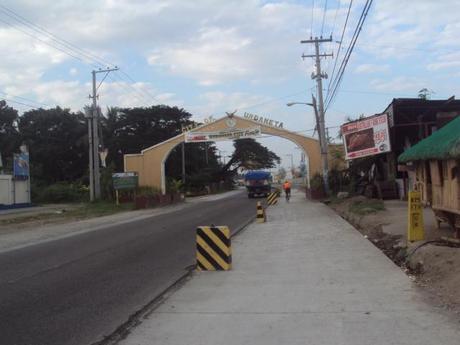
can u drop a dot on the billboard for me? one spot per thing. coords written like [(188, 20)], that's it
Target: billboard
[(366, 137), (125, 180), (21, 165), (199, 137)]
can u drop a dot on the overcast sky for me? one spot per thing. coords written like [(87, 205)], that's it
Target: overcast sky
[(215, 56)]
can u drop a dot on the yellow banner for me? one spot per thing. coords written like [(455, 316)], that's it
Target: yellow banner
[(415, 229)]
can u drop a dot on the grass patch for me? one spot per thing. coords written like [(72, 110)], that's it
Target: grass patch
[(366, 207), (84, 211), (98, 209)]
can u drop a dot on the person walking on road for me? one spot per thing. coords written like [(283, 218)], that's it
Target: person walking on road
[(287, 189)]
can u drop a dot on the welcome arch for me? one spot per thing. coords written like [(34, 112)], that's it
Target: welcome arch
[(150, 163)]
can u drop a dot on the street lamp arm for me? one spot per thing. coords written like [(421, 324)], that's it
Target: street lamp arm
[(290, 104)]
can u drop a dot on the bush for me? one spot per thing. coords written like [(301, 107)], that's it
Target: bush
[(317, 182), (61, 192), (147, 191)]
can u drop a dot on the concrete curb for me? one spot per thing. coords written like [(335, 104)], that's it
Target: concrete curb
[(134, 319)]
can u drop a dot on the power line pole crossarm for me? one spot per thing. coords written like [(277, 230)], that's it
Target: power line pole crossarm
[(320, 118)]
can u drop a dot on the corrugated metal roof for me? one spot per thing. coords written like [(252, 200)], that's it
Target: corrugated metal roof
[(442, 144)]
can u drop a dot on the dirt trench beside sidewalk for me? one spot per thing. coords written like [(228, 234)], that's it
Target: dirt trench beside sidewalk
[(434, 266)]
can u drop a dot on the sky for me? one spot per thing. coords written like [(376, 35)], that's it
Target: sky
[(214, 56)]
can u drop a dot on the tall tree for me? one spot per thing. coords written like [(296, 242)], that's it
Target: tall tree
[(251, 155), (9, 135), (58, 144), (129, 130)]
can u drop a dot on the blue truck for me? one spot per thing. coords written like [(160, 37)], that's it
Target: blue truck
[(258, 183)]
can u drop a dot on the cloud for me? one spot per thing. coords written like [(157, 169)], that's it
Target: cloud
[(215, 56), (445, 61), (371, 68), (399, 84)]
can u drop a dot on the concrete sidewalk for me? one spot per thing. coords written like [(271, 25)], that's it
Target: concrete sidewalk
[(305, 277)]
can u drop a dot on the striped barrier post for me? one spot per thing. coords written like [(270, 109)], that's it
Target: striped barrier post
[(260, 213), (272, 198), (213, 248)]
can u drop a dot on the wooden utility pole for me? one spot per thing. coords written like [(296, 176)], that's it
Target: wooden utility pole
[(319, 76)]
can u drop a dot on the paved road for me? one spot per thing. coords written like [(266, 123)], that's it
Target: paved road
[(75, 290)]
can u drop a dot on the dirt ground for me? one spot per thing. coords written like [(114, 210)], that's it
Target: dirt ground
[(433, 264)]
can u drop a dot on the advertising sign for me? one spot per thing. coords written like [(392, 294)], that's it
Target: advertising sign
[(21, 165), (126, 180), (415, 231), (199, 137), (366, 137)]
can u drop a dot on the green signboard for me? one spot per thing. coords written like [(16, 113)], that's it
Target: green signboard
[(127, 180)]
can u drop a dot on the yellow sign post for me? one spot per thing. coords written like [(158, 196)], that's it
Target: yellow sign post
[(415, 230)]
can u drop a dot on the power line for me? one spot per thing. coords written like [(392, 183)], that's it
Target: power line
[(324, 16), (336, 82), (312, 17), (24, 21), (21, 103), (64, 46), (338, 49), (25, 99)]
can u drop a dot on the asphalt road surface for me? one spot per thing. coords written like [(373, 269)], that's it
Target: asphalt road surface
[(78, 289)]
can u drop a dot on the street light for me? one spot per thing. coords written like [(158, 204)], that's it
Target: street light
[(322, 139), (290, 104)]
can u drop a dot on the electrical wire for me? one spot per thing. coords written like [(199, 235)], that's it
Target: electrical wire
[(324, 17), (63, 45), (312, 17), (338, 79), (25, 99), (339, 48)]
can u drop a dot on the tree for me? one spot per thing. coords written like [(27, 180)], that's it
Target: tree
[(9, 135), (251, 155), (129, 130), (58, 144), (425, 93)]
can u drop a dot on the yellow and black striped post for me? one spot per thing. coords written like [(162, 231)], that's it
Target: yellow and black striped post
[(260, 213), (213, 248), (272, 198)]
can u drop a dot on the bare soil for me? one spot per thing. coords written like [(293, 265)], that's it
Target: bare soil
[(433, 264)]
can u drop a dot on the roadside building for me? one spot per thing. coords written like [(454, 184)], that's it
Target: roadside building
[(410, 120), (435, 163)]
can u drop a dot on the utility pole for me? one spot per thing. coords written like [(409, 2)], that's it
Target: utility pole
[(89, 116), (183, 163), (95, 174), (321, 123)]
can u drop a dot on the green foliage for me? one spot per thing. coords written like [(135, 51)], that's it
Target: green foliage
[(60, 192), (174, 186), (251, 155), (363, 207), (9, 135), (57, 141), (107, 191), (316, 182), (147, 191), (129, 130)]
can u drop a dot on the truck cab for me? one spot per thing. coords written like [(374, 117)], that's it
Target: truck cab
[(258, 183)]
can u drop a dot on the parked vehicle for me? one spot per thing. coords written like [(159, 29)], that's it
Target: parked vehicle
[(258, 183)]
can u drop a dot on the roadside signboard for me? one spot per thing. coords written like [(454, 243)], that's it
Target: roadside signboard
[(415, 231), (232, 134), (21, 165), (366, 137), (126, 180)]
